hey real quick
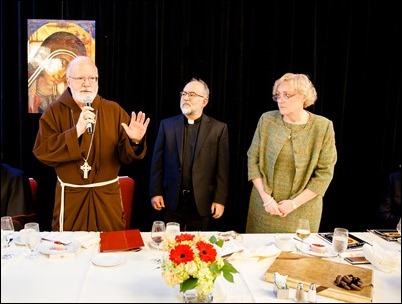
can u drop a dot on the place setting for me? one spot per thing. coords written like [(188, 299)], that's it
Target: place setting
[(314, 249)]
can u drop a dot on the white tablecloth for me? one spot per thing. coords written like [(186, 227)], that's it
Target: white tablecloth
[(75, 278)]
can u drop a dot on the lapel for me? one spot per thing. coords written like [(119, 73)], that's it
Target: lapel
[(202, 135), (178, 131)]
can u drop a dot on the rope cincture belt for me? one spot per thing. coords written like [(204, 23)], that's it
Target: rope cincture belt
[(63, 185)]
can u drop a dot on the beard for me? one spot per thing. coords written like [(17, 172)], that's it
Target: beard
[(186, 110), (82, 97)]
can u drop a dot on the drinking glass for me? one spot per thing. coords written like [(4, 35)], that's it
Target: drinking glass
[(32, 225), (303, 229), (398, 227), (340, 241), (172, 229), (157, 232), (32, 237), (7, 229)]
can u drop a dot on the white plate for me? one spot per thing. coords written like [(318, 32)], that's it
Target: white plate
[(17, 240), (154, 245), (327, 254), (107, 259), (48, 248)]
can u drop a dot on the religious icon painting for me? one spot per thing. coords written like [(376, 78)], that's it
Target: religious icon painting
[(52, 44)]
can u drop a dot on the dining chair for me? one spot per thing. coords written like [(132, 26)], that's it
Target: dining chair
[(127, 187), (20, 219)]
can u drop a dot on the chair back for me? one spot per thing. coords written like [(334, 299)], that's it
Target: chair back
[(34, 189), (19, 220), (127, 187)]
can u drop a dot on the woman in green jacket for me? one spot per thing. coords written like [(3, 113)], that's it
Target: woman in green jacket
[(291, 160)]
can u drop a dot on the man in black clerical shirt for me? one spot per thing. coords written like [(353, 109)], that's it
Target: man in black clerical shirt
[(189, 178)]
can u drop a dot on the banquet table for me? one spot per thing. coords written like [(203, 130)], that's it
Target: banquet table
[(75, 278)]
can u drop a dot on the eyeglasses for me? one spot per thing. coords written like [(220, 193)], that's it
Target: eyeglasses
[(190, 94), (91, 79), (285, 96)]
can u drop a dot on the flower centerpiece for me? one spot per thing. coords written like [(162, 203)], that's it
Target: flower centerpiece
[(194, 262)]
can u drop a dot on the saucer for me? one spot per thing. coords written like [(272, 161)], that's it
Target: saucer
[(327, 254), (107, 259)]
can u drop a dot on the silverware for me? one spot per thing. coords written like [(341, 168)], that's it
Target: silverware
[(56, 241)]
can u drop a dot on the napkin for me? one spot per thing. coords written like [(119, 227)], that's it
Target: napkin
[(89, 239), (260, 252), (384, 259)]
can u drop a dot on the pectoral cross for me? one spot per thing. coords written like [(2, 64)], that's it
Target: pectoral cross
[(85, 168)]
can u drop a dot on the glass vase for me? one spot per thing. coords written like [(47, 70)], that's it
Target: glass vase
[(193, 296)]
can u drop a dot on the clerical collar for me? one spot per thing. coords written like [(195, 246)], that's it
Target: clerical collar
[(192, 122)]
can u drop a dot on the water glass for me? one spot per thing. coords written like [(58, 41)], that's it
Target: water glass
[(172, 229), (32, 239), (340, 241), (32, 225)]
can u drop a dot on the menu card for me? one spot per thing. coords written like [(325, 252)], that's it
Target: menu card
[(353, 241), (121, 240), (389, 235)]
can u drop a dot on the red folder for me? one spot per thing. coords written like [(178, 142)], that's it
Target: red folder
[(121, 240)]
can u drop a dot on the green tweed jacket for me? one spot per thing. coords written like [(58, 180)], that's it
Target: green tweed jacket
[(314, 153)]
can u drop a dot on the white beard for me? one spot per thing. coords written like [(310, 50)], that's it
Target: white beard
[(82, 97), (186, 110)]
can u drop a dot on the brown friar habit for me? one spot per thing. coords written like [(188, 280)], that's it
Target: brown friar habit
[(86, 208)]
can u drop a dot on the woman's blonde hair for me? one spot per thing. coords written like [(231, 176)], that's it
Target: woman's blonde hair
[(301, 84)]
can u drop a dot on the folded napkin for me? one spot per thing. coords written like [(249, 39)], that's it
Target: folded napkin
[(260, 252), (89, 239), (384, 259)]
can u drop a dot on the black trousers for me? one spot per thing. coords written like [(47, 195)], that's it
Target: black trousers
[(187, 215)]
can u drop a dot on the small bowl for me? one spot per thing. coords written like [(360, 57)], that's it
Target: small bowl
[(319, 248)]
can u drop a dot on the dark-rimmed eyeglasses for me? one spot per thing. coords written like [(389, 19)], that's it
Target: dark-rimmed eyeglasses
[(285, 96), (190, 94), (91, 79)]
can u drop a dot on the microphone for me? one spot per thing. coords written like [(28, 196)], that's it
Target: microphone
[(90, 126)]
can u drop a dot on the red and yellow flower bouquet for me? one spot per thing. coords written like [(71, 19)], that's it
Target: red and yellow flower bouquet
[(194, 262)]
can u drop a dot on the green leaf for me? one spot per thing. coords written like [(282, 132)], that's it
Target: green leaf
[(228, 276), (228, 267), (214, 240), (188, 284)]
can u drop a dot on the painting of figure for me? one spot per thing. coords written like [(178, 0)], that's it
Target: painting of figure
[(52, 44)]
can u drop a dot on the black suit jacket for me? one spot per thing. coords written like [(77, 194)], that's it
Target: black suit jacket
[(389, 211), (210, 172)]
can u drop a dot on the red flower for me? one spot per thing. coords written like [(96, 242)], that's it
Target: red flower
[(207, 252), (181, 254), (184, 237)]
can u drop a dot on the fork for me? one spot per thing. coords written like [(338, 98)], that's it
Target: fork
[(55, 241)]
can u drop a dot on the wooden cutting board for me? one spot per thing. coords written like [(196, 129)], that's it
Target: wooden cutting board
[(306, 269)]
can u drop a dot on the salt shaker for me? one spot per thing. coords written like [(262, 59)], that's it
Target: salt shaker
[(312, 293), (300, 292)]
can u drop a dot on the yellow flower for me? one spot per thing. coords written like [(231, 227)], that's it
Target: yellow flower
[(193, 262)]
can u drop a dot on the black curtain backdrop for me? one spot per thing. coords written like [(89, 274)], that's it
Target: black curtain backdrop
[(147, 50)]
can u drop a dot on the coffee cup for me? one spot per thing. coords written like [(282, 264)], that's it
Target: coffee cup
[(283, 242)]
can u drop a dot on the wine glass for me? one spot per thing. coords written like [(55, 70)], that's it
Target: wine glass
[(157, 232), (303, 229), (32, 238), (398, 227), (7, 229), (340, 241)]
